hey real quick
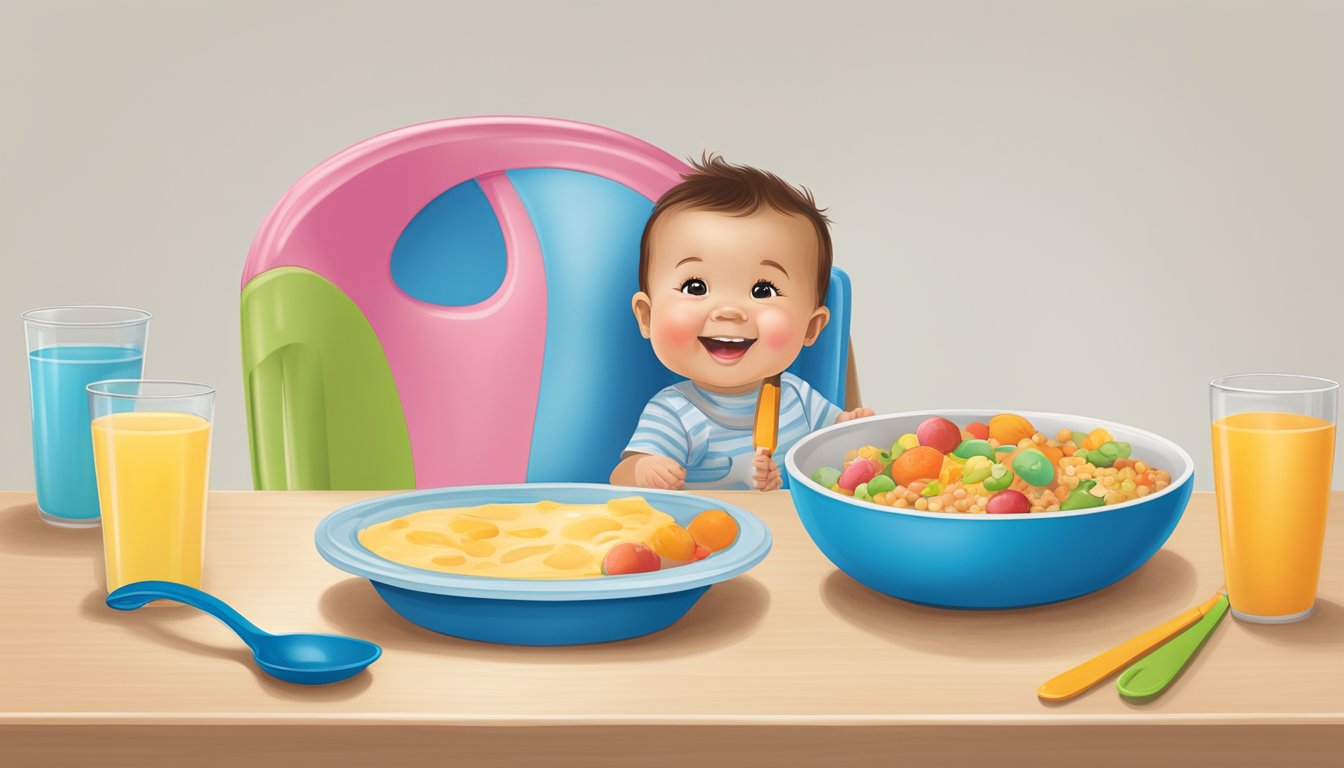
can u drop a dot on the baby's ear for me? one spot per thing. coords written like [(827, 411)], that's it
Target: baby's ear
[(643, 310), (816, 324)]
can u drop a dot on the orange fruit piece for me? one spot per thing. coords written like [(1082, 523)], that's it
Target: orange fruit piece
[(714, 529), (1010, 429), (673, 542), (1096, 437), (1051, 452), (918, 463), (950, 472)]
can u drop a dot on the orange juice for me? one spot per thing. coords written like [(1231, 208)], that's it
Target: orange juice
[(1272, 477), (152, 469)]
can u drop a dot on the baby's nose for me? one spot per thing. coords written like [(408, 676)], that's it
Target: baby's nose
[(728, 313)]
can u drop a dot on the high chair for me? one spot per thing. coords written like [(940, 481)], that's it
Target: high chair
[(449, 304)]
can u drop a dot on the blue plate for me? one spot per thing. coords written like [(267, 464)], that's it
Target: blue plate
[(975, 560), (537, 611)]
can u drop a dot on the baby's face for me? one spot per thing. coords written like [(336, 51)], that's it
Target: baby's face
[(732, 299)]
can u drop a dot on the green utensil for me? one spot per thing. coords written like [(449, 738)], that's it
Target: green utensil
[(1152, 674)]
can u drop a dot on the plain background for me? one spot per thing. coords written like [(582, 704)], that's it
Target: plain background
[(1085, 207)]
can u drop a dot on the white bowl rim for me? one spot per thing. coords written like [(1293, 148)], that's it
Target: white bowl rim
[(798, 476)]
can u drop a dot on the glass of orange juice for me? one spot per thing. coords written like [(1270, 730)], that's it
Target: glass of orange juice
[(1273, 450), (151, 455)]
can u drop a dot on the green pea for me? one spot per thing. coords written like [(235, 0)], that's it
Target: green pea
[(1079, 435), (932, 489), (969, 448), (1099, 459), (1032, 465), (861, 492), (1111, 449), (1003, 449), (1000, 477), (826, 476), (881, 484), (1126, 450), (1080, 498)]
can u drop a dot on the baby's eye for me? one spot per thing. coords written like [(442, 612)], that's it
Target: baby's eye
[(694, 287), (764, 289)]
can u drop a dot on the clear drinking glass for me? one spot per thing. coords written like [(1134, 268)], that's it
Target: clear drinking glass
[(1273, 451), (69, 348), (151, 447)]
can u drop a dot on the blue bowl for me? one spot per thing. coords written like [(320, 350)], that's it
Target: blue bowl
[(537, 611), (957, 560)]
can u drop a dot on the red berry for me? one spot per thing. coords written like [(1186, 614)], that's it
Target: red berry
[(630, 557), (1008, 502), (980, 430), (860, 470), (939, 433)]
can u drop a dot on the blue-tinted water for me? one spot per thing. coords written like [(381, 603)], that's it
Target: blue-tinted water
[(62, 443)]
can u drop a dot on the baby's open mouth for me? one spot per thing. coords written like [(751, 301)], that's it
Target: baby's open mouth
[(726, 349)]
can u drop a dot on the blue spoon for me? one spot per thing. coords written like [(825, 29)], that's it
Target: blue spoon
[(306, 659)]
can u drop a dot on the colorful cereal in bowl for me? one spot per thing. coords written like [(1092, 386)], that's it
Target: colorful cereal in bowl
[(1006, 466), (1001, 558)]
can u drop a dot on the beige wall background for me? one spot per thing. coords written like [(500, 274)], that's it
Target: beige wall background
[(1087, 207)]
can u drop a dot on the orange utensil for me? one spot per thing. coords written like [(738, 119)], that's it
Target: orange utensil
[(765, 434), (1073, 682)]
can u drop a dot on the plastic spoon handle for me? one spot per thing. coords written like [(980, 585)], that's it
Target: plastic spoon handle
[(1153, 673), (137, 595), (765, 430), (1094, 670)]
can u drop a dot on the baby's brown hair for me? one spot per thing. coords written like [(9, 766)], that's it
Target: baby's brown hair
[(719, 186)]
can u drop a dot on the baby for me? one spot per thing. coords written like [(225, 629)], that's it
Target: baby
[(733, 271)]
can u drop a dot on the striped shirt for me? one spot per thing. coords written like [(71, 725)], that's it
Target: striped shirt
[(711, 434)]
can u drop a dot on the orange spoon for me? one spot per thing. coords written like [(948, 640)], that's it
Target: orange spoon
[(1073, 682)]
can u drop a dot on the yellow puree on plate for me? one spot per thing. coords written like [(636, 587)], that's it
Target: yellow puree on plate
[(541, 540)]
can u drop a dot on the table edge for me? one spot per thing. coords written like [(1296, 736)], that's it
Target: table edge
[(487, 720)]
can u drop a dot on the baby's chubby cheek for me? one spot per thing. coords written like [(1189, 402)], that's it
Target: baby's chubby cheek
[(676, 327), (777, 331)]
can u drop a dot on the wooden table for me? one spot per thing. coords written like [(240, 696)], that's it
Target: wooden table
[(792, 664)]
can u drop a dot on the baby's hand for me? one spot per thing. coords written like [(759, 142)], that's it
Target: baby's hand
[(857, 413), (765, 472), (659, 472)]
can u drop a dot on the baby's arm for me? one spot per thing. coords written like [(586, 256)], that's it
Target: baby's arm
[(658, 452), (647, 470)]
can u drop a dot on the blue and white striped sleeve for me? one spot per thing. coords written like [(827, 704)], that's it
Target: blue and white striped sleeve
[(662, 433), (820, 411)]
